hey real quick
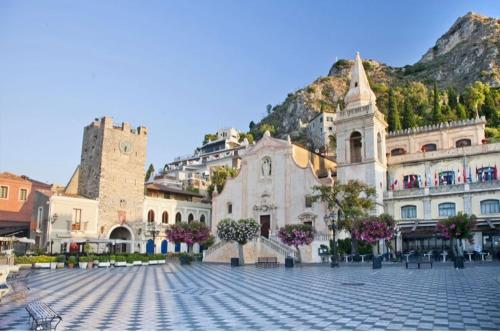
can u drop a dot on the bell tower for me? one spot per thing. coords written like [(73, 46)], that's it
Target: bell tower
[(361, 130)]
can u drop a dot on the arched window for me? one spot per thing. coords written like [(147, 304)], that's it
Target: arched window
[(190, 218), (408, 212), (486, 174), (463, 142), (447, 210), (164, 217), (356, 145), (151, 216), (202, 218), (447, 177), (178, 217), (412, 181), (490, 206), (429, 147), (379, 148), (398, 152)]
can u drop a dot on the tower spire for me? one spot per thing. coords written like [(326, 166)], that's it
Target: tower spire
[(360, 93)]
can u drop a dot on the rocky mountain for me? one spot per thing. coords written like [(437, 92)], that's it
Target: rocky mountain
[(468, 52)]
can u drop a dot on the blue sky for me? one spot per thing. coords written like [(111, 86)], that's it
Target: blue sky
[(181, 68)]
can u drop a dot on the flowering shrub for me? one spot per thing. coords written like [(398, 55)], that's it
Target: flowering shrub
[(240, 231), (296, 235), (194, 232), (457, 227), (373, 229)]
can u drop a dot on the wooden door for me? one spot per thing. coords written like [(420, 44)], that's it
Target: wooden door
[(265, 224)]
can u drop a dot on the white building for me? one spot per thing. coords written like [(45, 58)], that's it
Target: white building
[(274, 187), (320, 129)]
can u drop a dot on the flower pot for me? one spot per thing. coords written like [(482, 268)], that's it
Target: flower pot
[(120, 264), (136, 263), (459, 262), (162, 261), (145, 263), (289, 262), (185, 260), (90, 265), (104, 264), (83, 265), (53, 265), (71, 265), (42, 265), (112, 262), (60, 265), (129, 264), (153, 262), (377, 262), (235, 261)]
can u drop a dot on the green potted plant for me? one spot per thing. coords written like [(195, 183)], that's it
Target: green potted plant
[(43, 262), (160, 258), (83, 262), (61, 259), (145, 260), (120, 261), (185, 258), (137, 259), (71, 261), (104, 261), (112, 259)]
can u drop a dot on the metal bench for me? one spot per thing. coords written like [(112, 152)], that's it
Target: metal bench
[(267, 262), (417, 260), (42, 317)]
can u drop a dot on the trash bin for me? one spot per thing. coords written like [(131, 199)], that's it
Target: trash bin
[(235, 261), (289, 262), (459, 262), (377, 262)]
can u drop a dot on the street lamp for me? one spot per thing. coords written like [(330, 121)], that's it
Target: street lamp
[(330, 220), (153, 231)]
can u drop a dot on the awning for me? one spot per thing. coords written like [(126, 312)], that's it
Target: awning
[(98, 241), (16, 239)]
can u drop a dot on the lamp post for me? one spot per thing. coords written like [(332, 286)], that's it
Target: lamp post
[(330, 220), (153, 231)]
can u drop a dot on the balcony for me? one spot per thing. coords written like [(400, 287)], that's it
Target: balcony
[(75, 227), (443, 189)]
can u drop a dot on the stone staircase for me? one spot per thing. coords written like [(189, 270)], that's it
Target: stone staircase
[(278, 247)]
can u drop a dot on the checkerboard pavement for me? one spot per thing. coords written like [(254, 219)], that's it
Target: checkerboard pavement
[(220, 297)]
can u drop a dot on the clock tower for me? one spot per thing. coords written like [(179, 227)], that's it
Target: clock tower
[(112, 171), (361, 130)]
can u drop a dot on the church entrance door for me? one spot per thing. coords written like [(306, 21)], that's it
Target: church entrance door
[(265, 224)]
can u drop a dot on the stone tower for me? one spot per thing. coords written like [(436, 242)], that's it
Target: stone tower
[(361, 131), (112, 171)]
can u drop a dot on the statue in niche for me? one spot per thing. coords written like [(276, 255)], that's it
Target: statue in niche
[(266, 167)]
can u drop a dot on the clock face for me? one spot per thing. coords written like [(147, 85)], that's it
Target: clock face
[(125, 147)]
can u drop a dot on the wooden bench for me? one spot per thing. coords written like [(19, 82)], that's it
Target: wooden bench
[(267, 262), (42, 317)]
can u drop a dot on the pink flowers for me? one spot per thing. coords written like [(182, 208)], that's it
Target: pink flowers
[(296, 235), (457, 227), (373, 229), (194, 232)]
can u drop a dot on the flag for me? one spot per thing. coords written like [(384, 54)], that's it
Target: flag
[(435, 179), (470, 175), (458, 178), (429, 180), (495, 174), (465, 175)]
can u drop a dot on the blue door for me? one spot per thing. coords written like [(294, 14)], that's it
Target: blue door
[(164, 246), (150, 247), (177, 247)]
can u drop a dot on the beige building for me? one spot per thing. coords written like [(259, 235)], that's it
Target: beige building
[(273, 187), (319, 130)]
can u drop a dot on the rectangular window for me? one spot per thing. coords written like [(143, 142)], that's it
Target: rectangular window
[(229, 208), (77, 219), (447, 210), (23, 194), (409, 212), (309, 201), (4, 191), (490, 206), (39, 217)]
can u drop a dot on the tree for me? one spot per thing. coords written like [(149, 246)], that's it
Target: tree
[(209, 137), (437, 116), (409, 119), (393, 113), (151, 170), (296, 235), (372, 229), (219, 177), (457, 228), (189, 233), (461, 112), (240, 231), (490, 110), (475, 96), (269, 108), (353, 199), (248, 136)]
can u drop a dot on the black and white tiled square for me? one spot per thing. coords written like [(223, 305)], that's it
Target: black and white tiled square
[(219, 297)]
